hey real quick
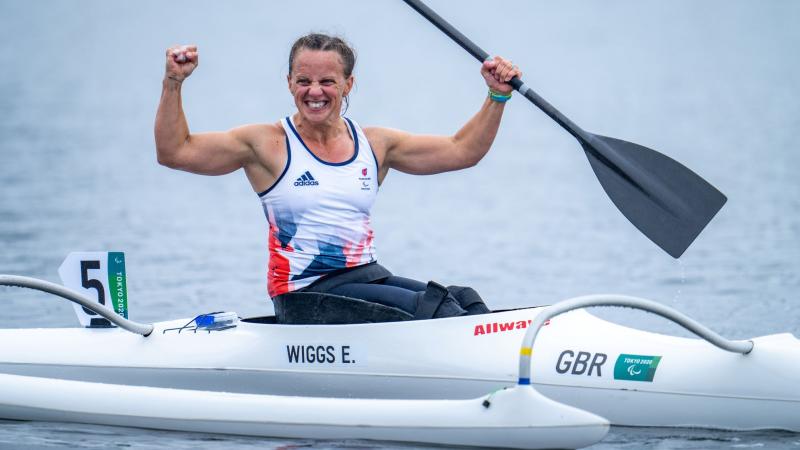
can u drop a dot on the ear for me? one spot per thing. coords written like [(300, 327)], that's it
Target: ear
[(348, 84), (289, 81)]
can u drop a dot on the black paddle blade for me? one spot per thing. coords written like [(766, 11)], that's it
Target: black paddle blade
[(666, 201)]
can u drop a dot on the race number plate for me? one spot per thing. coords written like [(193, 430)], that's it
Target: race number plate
[(99, 276)]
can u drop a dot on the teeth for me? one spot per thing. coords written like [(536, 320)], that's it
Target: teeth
[(316, 105)]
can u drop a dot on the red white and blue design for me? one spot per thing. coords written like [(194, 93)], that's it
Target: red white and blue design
[(319, 213)]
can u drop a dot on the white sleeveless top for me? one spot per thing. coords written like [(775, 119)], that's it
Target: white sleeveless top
[(319, 213)]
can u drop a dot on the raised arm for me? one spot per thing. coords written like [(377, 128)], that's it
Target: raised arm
[(215, 153), (425, 155)]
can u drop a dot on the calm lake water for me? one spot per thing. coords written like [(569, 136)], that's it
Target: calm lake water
[(714, 84)]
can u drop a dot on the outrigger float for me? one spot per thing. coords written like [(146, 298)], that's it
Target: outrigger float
[(472, 380)]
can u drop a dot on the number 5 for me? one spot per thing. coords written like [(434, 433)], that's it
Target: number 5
[(92, 283)]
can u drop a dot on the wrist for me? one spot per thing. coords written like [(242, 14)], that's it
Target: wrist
[(499, 97), (172, 82)]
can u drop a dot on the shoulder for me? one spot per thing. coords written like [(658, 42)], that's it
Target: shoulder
[(266, 141), (384, 138), (262, 138), (253, 133)]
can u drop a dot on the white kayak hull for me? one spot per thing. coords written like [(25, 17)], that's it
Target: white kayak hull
[(516, 418), (628, 376)]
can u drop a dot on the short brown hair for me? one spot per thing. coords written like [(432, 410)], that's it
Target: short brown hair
[(324, 42)]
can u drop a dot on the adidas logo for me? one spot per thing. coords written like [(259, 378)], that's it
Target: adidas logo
[(306, 180)]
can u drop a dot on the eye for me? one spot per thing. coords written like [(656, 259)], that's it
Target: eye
[(328, 82), (303, 81)]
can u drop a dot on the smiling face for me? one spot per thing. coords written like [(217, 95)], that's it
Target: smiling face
[(318, 85)]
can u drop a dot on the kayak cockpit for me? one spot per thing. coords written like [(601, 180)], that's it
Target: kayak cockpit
[(312, 308), (316, 308)]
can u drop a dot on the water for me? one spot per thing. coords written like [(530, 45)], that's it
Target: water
[(714, 85)]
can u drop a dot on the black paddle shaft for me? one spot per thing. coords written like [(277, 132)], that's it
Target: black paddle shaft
[(666, 201)]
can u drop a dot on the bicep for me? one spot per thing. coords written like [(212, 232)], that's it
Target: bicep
[(214, 153), (421, 154)]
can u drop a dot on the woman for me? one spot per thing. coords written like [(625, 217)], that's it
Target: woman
[(317, 174)]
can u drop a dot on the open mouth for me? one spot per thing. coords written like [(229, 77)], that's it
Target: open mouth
[(317, 105)]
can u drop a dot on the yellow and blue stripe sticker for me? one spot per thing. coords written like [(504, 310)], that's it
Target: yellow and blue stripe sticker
[(525, 351)]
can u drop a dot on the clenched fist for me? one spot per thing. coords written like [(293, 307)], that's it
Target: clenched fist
[(181, 61)]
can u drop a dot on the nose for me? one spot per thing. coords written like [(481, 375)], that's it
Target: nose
[(315, 89)]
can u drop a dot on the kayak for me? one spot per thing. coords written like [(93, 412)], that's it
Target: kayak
[(628, 376)]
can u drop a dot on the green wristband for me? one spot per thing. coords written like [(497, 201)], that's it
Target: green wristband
[(499, 97)]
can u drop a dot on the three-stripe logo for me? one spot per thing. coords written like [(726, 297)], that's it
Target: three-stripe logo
[(306, 180)]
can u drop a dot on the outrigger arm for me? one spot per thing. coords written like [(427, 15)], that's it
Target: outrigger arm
[(56, 289), (743, 347)]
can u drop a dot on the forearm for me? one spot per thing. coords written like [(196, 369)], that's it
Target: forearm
[(171, 128), (475, 138)]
